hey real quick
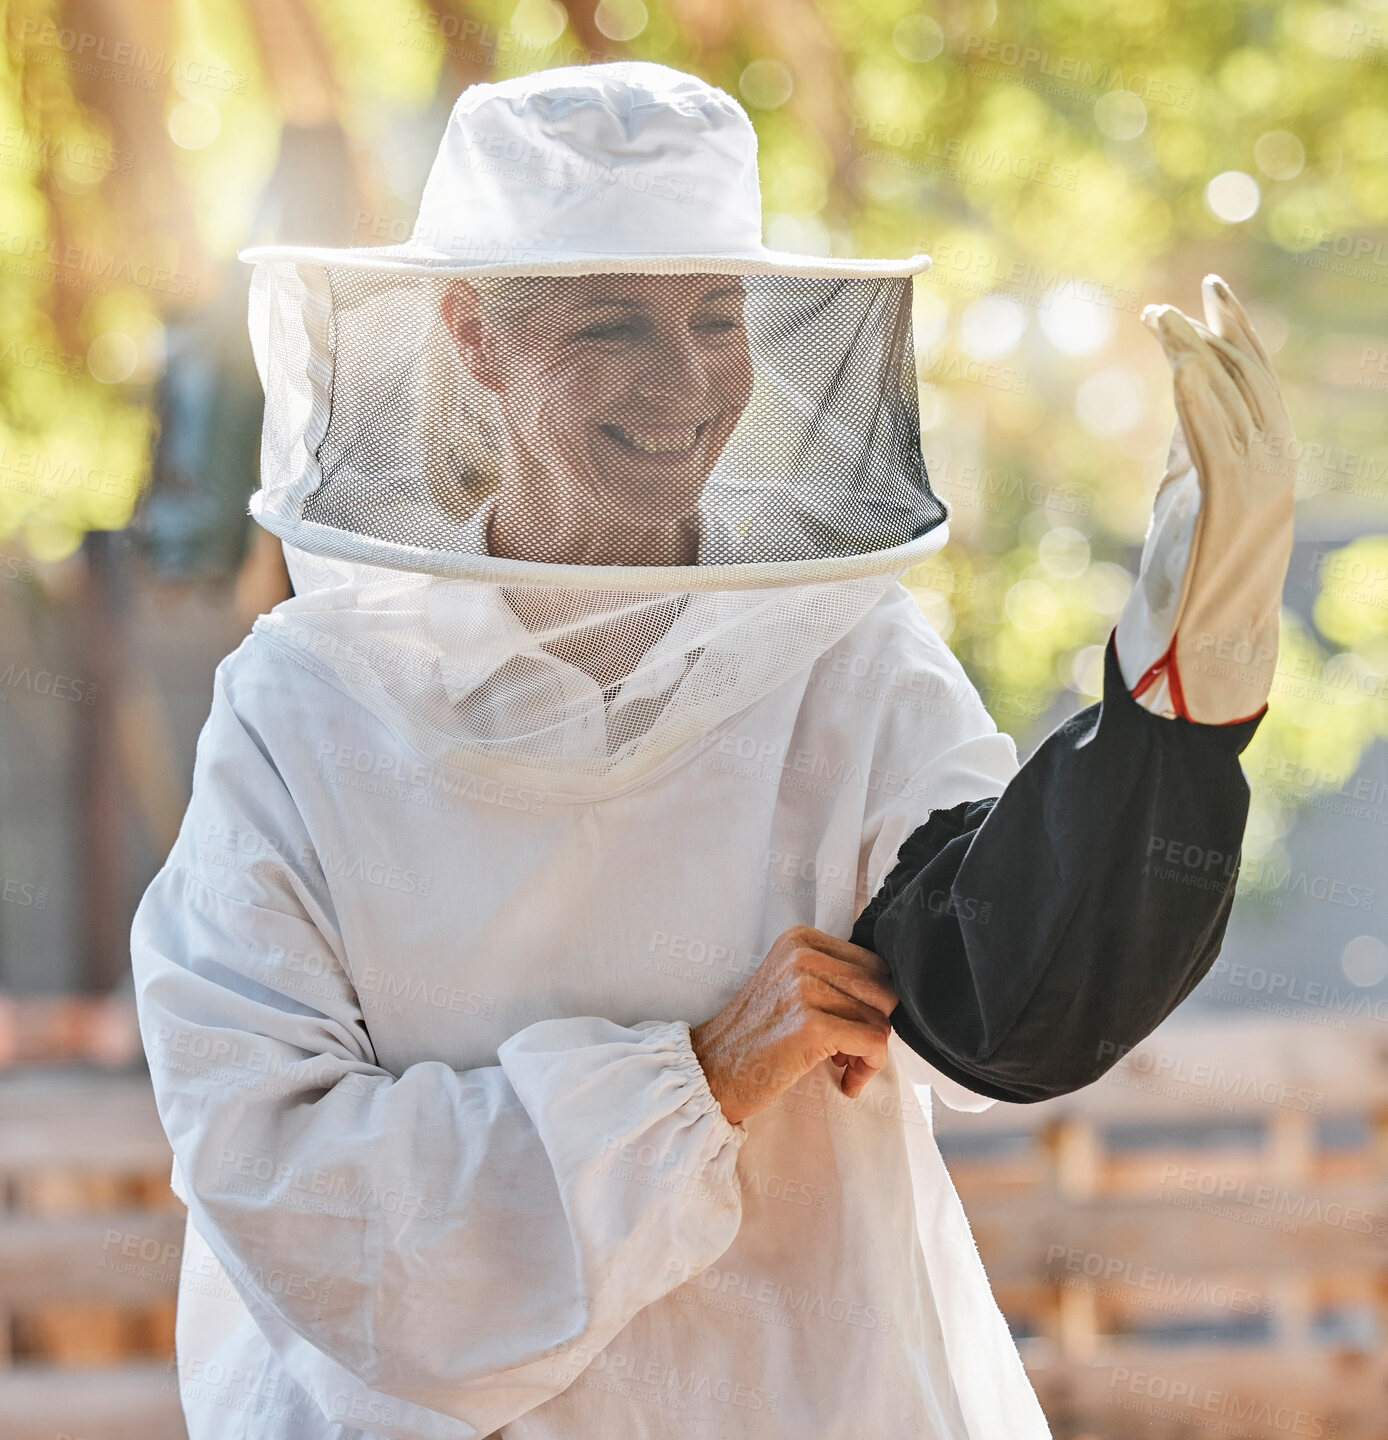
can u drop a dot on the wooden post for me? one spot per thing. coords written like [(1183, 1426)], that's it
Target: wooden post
[(100, 792), (1078, 1323), (1075, 1153), (1291, 1144)]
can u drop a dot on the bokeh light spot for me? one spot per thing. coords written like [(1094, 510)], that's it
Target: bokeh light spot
[(621, 19), (1120, 115), (194, 125), (918, 38), (1280, 155), (112, 357), (1031, 604), (1076, 326), (1064, 552), (1233, 196), (1111, 402), (992, 326), (1364, 961), (766, 84)]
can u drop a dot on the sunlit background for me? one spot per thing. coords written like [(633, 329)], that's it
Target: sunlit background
[(1065, 163)]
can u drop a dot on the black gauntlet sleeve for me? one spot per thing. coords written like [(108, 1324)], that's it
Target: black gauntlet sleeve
[(1035, 936)]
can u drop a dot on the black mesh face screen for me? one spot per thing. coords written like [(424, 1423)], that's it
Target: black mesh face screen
[(467, 473), (622, 419)]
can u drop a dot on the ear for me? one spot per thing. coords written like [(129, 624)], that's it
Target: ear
[(462, 317)]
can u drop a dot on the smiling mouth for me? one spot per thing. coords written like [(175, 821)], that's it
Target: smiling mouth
[(666, 440)]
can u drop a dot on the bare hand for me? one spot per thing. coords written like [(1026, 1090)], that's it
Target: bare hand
[(813, 998)]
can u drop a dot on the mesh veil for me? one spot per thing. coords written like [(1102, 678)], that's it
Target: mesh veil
[(554, 528)]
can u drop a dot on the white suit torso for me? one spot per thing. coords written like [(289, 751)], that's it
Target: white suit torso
[(420, 1040)]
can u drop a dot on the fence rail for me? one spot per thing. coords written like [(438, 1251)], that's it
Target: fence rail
[(91, 1240), (1198, 1243), (1172, 1266)]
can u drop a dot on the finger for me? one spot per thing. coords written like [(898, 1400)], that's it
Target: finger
[(1200, 374), (848, 980), (857, 1040), (1257, 368), (1248, 375), (856, 1077), (825, 996), (1183, 345), (865, 959), (1228, 318), (867, 1066)]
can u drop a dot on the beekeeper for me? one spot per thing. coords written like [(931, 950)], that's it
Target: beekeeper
[(593, 869)]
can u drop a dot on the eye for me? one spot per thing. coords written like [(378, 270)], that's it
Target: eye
[(611, 330)]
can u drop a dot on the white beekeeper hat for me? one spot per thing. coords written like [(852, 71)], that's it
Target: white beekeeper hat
[(629, 166), (583, 469)]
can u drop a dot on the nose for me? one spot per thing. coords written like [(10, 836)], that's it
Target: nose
[(674, 371)]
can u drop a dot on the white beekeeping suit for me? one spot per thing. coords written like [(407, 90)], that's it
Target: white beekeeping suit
[(597, 678)]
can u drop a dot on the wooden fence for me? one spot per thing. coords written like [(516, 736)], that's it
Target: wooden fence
[(90, 1244), (1196, 1245)]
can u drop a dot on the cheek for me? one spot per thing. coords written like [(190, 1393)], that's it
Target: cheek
[(537, 381), (575, 394), (731, 381)]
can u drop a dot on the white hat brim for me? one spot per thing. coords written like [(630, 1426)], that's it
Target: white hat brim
[(418, 260)]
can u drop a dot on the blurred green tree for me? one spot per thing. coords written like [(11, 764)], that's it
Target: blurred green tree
[(1065, 163)]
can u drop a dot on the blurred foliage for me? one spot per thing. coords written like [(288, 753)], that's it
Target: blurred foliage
[(1064, 161)]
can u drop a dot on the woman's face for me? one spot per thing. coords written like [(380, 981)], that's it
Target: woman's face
[(622, 387)]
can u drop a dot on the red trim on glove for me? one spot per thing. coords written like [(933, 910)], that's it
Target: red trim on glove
[(1166, 663)]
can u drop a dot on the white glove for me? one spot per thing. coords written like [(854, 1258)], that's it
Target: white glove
[(1198, 635)]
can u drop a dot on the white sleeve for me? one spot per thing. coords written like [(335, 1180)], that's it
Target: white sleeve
[(972, 760), (443, 1237)]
